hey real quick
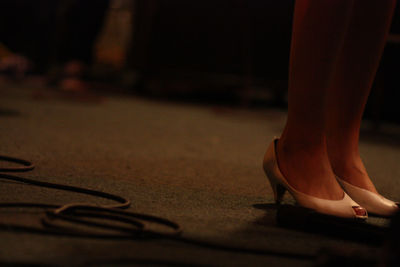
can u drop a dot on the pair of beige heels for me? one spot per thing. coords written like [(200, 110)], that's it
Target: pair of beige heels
[(356, 202)]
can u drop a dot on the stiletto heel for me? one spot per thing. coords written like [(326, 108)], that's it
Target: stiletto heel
[(279, 190), (345, 207)]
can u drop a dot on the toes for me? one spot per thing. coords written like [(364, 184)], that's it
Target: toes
[(360, 211)]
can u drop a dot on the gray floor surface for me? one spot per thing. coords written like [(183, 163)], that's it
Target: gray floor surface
[(197, 165)]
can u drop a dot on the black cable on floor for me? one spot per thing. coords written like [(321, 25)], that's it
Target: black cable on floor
[(63, 219)]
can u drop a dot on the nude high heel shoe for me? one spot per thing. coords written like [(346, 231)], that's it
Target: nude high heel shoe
[(344, 207), (374, 203)]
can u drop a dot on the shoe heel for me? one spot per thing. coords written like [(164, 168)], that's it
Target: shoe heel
[(278, 189)]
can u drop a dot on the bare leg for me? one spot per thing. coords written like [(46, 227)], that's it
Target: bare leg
[(318, 32), (349, 88)]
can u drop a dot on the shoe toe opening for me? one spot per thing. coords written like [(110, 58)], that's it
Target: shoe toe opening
[(360, 211)]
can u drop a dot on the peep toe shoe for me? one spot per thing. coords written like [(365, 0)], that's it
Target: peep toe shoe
[(345, 207), (373, 202)]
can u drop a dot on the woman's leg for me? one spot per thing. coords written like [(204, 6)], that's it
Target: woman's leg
[(349, 88), (318, 33)]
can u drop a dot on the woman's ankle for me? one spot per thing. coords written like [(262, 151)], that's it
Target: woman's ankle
[(348, 166), (297, 144), (306, 167)]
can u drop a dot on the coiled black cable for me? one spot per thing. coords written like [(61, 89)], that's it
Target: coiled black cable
[(138, 225)]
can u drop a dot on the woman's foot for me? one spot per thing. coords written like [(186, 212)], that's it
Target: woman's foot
[(305, 164), (341, 207), (352, 175), (347, 165)]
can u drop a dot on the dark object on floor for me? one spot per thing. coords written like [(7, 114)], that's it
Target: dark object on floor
[(392, 248), (307, 220), (349, 257), (387, 255)]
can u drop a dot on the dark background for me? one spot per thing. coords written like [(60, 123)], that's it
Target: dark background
[(224, 51)]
